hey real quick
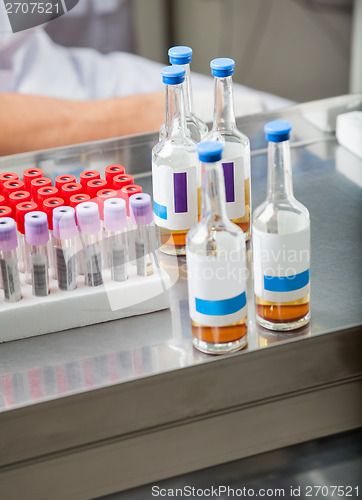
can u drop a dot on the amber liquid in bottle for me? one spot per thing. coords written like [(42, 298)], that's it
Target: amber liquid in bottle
[(279, 313), (237, 332)]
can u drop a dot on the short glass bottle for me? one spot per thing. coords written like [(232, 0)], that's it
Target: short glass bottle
[(216, 265), (182, 56), (236, 155), (281, 242), (175, 171)]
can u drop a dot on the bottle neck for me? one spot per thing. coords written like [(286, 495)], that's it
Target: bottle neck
[(175, 112), (187, 91), (280, 185), (213, 201), (224, 116)]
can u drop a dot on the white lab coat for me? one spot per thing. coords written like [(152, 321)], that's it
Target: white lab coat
[(30, 63)]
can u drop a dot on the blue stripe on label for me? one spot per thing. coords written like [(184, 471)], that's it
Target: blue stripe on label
[(286, 283), (160, 210), (221, 307)]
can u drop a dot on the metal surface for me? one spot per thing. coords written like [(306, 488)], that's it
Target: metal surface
[(113, 397)]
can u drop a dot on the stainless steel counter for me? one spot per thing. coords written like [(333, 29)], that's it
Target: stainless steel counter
[(116, 405)]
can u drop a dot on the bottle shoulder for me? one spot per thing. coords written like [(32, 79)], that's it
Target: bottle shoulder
[(170, 152), (226, 236), (232, 135), (282, 217)]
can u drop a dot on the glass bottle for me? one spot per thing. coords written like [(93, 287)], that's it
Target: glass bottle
[(281, 242), (216, 265), (182, 56), (175, 171), (236, 155)]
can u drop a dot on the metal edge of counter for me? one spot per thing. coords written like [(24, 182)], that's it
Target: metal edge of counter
[(98, 434)]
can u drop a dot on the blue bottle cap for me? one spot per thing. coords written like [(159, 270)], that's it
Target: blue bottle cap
[(180, 55), (210, 152), (173, 75), (277, 131), (222, 67)]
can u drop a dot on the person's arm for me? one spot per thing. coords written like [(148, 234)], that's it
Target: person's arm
[(29, 123)]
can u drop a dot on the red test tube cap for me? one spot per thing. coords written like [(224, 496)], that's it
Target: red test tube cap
[(102, 196), (112, 171), (94, 186), (46, 192), (127, 191), (122, 180), (87, 176), (36, 184), (29, 175), (5, 211), (61, 180), (71, 189), (78, 198), (7, 176), (2, 200), (12, 186), (48, 206), (22, 209), (18, 197)]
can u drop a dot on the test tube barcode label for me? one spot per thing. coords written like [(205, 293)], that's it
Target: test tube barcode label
[(10, 279), (39, 269), (93, 265), (119, 263), (66, 268)]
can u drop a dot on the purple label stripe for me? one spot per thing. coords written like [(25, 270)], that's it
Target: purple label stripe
[(180, 192), (229, 181)]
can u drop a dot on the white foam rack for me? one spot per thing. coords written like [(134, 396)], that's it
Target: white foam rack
[(63, 310)]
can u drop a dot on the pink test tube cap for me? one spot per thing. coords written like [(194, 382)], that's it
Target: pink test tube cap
[(88, 217), (36, 228), (115, 214), (64, 225), (140, 207), (8, 235)]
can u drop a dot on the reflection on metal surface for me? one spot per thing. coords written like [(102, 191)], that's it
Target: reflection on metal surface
[(268, 337)]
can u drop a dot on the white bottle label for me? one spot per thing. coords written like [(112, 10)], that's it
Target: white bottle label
[(175, 197), (234, 187), (281, 265), (217, 288)]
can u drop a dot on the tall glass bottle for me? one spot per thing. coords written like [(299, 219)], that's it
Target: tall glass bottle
[(175, 171), (236, 156), (182, 56), (281, 242), (216, 265)]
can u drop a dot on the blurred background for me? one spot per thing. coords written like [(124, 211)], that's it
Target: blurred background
[(298, 49)]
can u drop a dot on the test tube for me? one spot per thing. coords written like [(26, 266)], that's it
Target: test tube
[(11, 187), (29, 175), (22, 209), (65, 233), (5, 211), (115, 232), (7, 176), (37, 237), (128, 191), (63, 179), (37, 184), (87, 176), (48, 206), (46, 192), (70, 189), (74, 201), (122, 180), (18, 197), (89, 225), (9, 260), (142, 218), (2, 200), (95, 185), (111, 172)]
